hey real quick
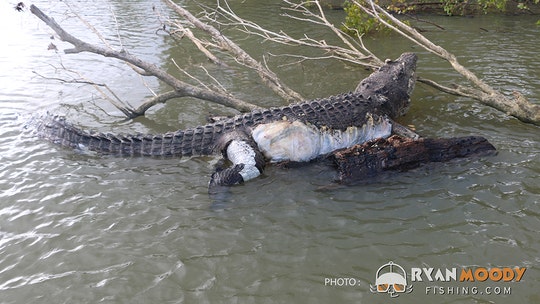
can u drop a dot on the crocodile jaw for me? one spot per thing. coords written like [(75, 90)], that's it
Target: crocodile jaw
[(300, 142)]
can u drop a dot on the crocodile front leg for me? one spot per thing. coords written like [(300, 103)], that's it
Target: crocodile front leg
[(247, 161)]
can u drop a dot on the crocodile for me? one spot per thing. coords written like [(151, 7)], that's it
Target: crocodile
[(298, 132)]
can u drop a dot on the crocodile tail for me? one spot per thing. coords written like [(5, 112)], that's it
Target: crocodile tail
[(194, 141)]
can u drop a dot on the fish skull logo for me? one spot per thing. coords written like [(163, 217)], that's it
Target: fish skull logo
[(391, 281)]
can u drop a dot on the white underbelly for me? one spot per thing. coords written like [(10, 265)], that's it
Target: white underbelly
[(296, 141)]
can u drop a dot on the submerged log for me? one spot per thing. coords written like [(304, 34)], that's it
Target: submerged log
[(398, 153)]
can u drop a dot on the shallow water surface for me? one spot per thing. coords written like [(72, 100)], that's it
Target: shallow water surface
[(78, 228)]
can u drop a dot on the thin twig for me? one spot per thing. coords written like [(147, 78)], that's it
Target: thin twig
[(518, 106), (358, 54), (181, 88), (267, 76)]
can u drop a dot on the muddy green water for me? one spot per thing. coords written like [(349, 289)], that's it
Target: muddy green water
[(91, 229)]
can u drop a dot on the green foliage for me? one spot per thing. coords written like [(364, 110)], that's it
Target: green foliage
[(358, 21), (462, 7), (524, 5), (498, 5)]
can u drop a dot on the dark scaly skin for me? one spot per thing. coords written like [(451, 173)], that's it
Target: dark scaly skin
[(385, 92)]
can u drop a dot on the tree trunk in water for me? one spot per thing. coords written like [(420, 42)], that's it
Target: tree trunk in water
[(398, 153)]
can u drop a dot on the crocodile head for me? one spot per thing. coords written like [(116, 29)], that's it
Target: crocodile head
[(393, 81)]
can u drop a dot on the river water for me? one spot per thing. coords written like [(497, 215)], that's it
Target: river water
[(77, 228)]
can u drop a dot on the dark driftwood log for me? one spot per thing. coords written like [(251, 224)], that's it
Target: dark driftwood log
[(398, 153)]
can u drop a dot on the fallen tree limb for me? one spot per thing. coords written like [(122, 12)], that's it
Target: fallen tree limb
[(268, 77), (313, 13), (518, 106), (397, 153), (181, 89)]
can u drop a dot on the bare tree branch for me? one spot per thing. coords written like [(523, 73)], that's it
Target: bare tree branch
[(116, 101), (269, 78), (518, 106), (182, 89), (161, 98), (310, 11), (321, 19), (183, 31), (355, 52)]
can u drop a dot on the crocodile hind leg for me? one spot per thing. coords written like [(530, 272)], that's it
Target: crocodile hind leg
[(247, 161)]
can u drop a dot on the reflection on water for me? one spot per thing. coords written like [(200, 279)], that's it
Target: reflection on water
[(85, 229)]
